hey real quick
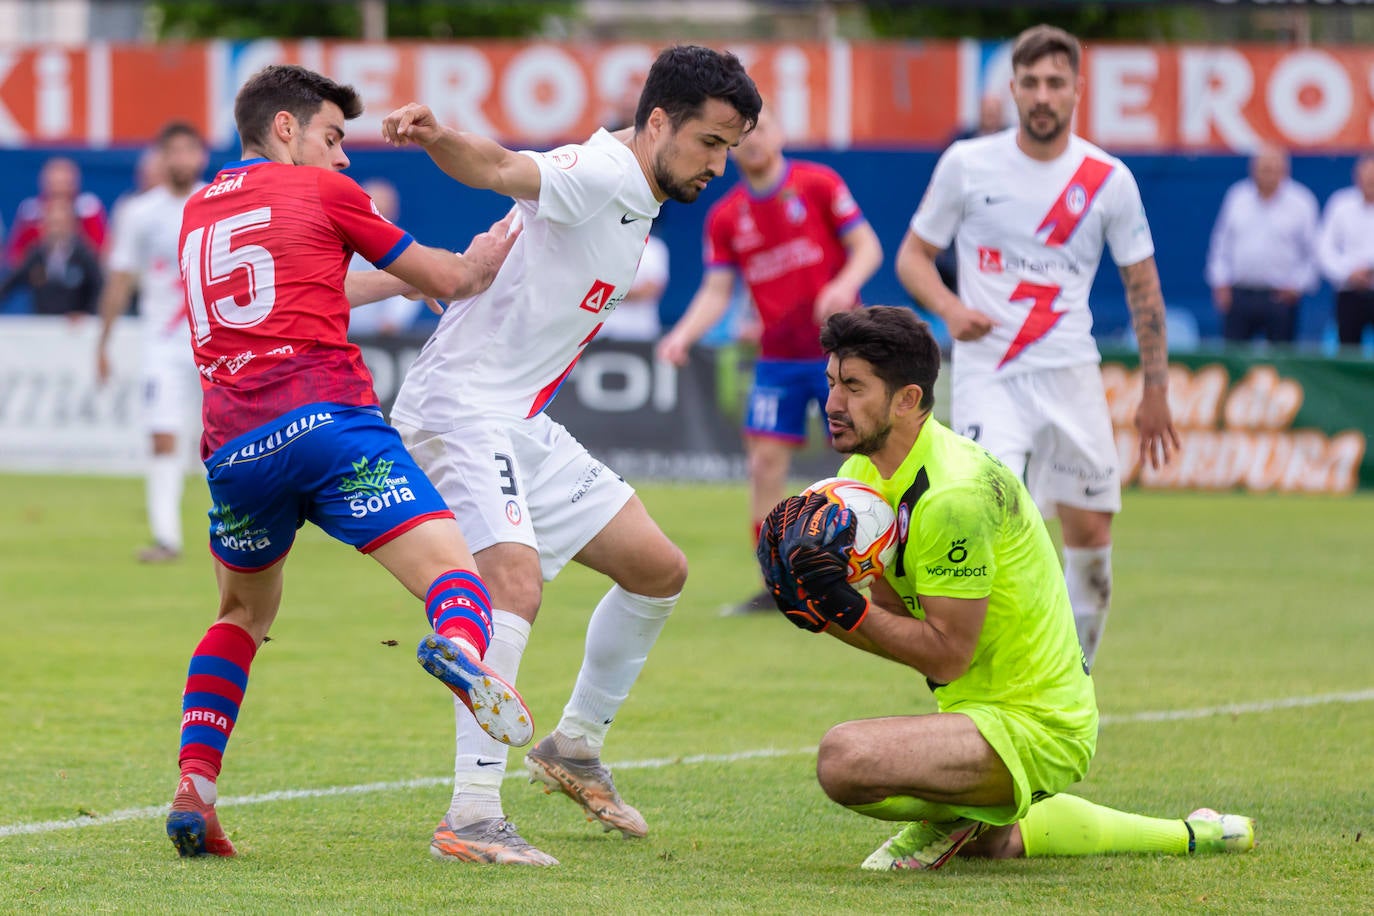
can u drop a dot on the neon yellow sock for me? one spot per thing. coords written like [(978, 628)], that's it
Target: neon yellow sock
[(906, 808), (1065, 825)]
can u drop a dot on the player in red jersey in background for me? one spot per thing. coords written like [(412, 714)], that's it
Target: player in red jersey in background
[(293, 430), (792, 231), (1030, 210)]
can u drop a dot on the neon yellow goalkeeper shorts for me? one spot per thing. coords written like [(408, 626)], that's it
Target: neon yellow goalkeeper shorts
[(1043, 761)]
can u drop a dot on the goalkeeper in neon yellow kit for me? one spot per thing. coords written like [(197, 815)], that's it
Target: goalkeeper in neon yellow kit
[(975, 601)]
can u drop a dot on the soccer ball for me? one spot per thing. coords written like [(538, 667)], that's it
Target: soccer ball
[(875, 526)]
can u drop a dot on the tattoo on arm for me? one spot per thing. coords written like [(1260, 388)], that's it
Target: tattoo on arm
[(1146, 302)]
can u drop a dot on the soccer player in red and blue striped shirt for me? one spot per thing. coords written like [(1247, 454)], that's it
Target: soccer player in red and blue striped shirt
[(293, 431)]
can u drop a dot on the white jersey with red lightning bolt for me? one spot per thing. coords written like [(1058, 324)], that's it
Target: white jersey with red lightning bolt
[(1029, 238)]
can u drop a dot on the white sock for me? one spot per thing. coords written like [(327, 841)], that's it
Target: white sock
[(164, 480), (620, 634), (1088, 574), (476, 778)]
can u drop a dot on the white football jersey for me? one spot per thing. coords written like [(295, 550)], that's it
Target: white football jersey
[(505, 351), (146, 232), (1028, 239)]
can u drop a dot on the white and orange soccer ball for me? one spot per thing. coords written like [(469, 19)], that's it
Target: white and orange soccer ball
[(875, 526)]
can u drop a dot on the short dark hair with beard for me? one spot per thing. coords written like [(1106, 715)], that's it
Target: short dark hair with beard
[(897, 344), (173, 129), (287, 87), (683, 77), (1043, 41)]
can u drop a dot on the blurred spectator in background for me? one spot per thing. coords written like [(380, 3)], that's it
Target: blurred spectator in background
[(1262, 257), (636, 317), (144, 257), (620, 114), (393, 315), (1345, 249), (60, 268), (59, 180), (992, 117), (793, 232)]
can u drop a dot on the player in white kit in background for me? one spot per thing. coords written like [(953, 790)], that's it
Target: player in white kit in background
[(527, 495), (144, 257), (1029, 210)]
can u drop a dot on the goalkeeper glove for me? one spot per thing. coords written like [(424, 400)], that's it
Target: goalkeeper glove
[(823, 584), (775, 574)]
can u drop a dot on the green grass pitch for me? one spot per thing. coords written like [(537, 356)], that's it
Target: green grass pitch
[(1236, 673)]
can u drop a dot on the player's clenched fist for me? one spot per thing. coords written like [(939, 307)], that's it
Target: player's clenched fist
[(411, 123), (965, 323)]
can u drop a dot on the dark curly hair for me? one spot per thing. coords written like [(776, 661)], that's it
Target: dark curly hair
[(683, 77), (287, 87), (897, 344)]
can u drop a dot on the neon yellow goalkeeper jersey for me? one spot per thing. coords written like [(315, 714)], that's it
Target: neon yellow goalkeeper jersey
[(968, 528)]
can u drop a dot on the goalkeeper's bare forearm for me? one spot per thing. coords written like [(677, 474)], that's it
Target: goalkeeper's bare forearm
[(939, 646), (881, 600)]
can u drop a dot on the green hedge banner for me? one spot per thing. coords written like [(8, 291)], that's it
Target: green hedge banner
[(1254, 421)]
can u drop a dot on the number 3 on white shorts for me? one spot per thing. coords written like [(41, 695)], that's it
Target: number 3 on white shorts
[(209, 257)]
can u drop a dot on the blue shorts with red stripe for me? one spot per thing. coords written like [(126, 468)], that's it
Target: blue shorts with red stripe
[(342, 468), (782, 393)]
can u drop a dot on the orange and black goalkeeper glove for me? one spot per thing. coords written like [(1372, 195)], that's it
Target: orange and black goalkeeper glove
[(823, 586), (776, 576), (806, 563)]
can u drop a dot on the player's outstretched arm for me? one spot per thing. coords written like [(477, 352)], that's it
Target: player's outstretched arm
[(474, 160), (1153, 419), (917, 272), (442, 274), (362, 287), (706, 308), (114, 301)]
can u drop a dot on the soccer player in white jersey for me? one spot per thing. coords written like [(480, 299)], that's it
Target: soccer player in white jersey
[(528, 496), (1029, 210), (144, 257)]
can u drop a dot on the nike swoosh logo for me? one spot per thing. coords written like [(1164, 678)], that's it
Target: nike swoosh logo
[(627, 219), (1095, 491), (990, 201), (487, 763)]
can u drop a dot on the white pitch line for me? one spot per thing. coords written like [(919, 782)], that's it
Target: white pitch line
[(1236, 709), (153, 811), (425, 782)]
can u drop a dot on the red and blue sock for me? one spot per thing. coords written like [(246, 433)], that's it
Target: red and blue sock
[(459, 607), (215, 683)]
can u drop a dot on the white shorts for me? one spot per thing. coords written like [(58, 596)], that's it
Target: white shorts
[(522, 482), (1051, 427), (171, 391)]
